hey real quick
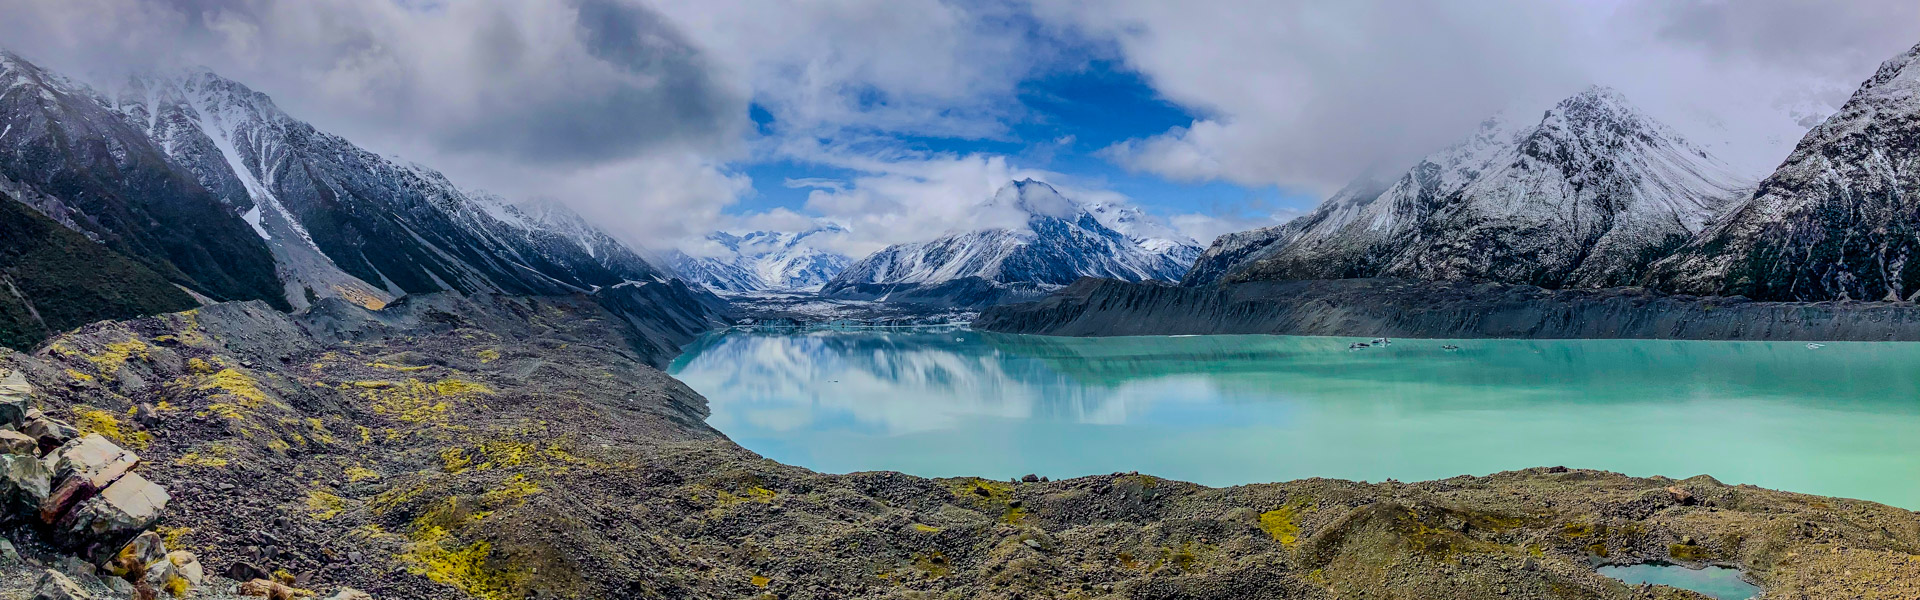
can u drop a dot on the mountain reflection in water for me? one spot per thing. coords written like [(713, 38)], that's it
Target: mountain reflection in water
[(1225, 410)]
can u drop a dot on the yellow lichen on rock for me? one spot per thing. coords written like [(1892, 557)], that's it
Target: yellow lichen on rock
[(1283, 524), (93, 420), (215, 455), (415, 401), (324, 506), (358, 474), (118, 353), (434, 554), (488, 355)]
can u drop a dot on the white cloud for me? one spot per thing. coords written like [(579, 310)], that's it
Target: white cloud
[(1301, 93)]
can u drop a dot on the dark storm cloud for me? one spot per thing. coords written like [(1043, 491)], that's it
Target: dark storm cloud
[(575, 82)]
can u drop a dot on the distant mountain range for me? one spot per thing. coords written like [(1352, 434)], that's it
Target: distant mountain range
[(1588, 195), (765, 261), (1061, 241), (211, 186)]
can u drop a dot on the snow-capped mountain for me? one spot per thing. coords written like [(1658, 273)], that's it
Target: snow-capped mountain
[(765, 260), (342, 221), (67, 155), (1061, 242), (1837, 220), (1587, 196), (1145, 231)]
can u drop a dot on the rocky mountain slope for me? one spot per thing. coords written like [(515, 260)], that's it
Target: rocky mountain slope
[(67, 155), (765, 260), (1586, 196), (53, 279), (493, 447), (1061, 241), (342, 221), (1374, 307), (1836, 220)]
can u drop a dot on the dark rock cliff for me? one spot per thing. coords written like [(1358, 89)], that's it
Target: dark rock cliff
[(1403, 308)]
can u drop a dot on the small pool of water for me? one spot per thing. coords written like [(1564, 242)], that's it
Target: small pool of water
[(1721, 583), (1836, 420)]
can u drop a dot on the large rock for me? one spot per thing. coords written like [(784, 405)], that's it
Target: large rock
[(15, 399), (94, 458), (55, 586), (14, 442), (145, 549), (51, 433), (24, 485), (70, 493), (122, 510)]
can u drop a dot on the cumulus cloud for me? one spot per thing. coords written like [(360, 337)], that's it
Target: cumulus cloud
[(1302, 93)]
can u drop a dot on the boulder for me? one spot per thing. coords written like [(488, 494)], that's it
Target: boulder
[(350, 594), (244, 571), (15, 399), (188, 566), (55, 586), (132, 559), (24, 485), (64, 497), (122, 510), (51, 433), (94, 458), (270, 589), (1680, 495), (14, 442)]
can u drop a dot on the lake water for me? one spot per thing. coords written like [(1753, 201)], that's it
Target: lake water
[(1719, 583), (1223, 410)]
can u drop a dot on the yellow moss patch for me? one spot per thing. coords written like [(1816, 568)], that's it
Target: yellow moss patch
[(460, 387), (515, 490), (415, 401), (199, 367), (214, 456), (118, 354), (488, 355), (78, 376), (933, 564), (1283, 524), (324, 506), (171, 536), (359, 474), (1688, 552), (471, 567), (237, 385), (923, 528), (754, 494), (401, 368), (93, 420)]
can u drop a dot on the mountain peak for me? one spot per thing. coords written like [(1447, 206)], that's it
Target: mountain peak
[(1035, 198)]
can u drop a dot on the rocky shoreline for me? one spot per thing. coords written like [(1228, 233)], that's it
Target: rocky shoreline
[(1416, 309), (503, 448)]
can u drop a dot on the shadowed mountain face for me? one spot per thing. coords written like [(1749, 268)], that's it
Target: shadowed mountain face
[(209, 184), (53, 279), (1587, 196), (1837, 220), (64, 153)]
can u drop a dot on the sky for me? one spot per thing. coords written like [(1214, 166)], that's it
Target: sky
[(663, 120)]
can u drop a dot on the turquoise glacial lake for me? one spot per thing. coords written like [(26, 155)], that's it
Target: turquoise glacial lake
[(1838, 420), (1718, 583)]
